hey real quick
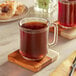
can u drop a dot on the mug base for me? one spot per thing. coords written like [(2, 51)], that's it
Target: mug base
[(26, 58)]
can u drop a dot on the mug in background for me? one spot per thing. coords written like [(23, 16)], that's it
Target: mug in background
[(67, 13), (34, 37)]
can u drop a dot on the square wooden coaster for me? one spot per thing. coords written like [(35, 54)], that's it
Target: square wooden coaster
[(34, 66)]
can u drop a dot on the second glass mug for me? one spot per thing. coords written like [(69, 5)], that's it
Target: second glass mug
[(34, 37), (67, 13)]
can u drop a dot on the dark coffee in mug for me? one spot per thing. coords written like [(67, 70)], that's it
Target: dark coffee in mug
[(33, 45)]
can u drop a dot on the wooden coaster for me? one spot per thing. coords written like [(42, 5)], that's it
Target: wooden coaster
[(69, 34), (66, 33), (34, 66), (64, 68)]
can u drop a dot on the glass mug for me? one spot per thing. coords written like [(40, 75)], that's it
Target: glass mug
[(67, 13), (34, 37)]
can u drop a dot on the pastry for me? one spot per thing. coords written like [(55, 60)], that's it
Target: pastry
[(10, 9), (7, 10), (20, 9)]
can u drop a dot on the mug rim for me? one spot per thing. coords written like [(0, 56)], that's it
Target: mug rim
[(30, 30), (67, 1)]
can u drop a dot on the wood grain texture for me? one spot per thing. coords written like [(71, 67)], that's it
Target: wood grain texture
[(64, 68), (34, 66)]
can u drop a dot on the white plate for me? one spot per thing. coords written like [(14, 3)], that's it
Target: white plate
[(16, 17)]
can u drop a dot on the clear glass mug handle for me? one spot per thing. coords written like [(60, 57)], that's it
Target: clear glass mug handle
[(55, 25)]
